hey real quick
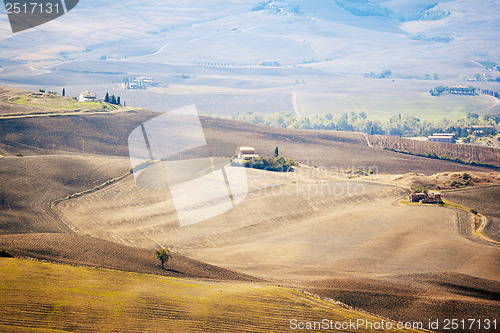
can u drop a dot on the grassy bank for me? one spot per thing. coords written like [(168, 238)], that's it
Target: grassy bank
[(61, 103)]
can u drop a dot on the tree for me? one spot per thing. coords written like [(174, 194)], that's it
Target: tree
[(113, 99), (385, 73), (163, 255), (64, 92), (118, 101), (106, 99), (472, 115), (276, 152)]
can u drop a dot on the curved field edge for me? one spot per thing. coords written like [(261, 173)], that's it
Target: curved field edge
[(474, 230), (93, 252), (472, 226), (68, 298), (485, 200)]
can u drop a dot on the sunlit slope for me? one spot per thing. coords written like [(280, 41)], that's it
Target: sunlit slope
[(297, 229), (48, 296)]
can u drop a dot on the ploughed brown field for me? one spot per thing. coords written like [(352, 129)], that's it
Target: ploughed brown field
[(346, 239), (485, 200)]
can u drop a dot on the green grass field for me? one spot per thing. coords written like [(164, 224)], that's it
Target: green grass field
[(62, 103), (382, 107), (52, 298)]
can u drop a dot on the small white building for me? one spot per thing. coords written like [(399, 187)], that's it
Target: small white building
[(246, 153), (87, 96), (442, 137)]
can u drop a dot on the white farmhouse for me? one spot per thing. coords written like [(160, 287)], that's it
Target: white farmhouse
[(87, 96), (246, 153)]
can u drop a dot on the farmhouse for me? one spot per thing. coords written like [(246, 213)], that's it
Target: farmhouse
[(246, 153), (431, 198), (479, 130), (442, 137), (140, 83), (87, 96)]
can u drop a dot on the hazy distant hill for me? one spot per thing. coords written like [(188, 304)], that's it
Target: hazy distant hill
[(200, 31), (279, 47)]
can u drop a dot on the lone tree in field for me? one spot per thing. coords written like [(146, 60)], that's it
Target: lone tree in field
[(163, 255), (276, 152), (64, 92)]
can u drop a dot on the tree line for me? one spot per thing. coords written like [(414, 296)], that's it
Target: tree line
[(112, 99), (437, 91), (398, 125), (490, 92)]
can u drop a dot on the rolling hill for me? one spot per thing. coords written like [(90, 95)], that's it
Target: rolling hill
[(68, 299), (67, 195), (72, 249), (311, 229)]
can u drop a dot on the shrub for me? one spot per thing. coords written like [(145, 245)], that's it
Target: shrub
[(473, 211), (5, 254), (417, 188), (432, 155), (141, 166), (280, 163)]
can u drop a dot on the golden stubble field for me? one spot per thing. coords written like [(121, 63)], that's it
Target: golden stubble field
[(45, 297)]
